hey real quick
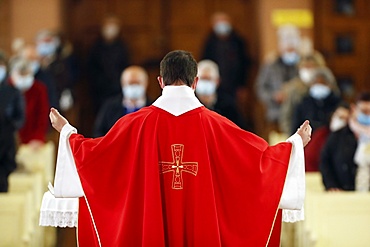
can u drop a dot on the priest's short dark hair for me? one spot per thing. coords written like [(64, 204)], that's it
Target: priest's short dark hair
[(178, 67)]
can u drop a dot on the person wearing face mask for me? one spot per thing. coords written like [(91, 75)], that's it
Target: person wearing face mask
[(36, 123), (295, 89), (274, 73), (338, 120), (11, 119), (320, 101), (338, 165), (58, 67), (134, 82), (360, 125), (30, 53), (206, 91), (228, 49), (108, 57)]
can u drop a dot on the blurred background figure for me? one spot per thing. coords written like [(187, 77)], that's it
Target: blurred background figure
[(11, 119), (206, 91), (36, 123), (134, 82), (295, 89), (30, 53), (58, 60), (225, 47), (360, 125), (338, 120), (107, 59), (320, 101), (337, 165), (278, 71)]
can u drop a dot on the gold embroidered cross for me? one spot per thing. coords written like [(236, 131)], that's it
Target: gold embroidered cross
[(177, 167)]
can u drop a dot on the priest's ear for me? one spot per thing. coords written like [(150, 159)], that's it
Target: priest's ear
[(195, 83), (160, 81)]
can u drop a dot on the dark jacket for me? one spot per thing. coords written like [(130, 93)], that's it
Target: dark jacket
[(226, 106), (105, 65), (110, 112), (231, 57), (12, 115), (336, 164), (317, 111)]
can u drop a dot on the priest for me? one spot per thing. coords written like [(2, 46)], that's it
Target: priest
[(177, 174)]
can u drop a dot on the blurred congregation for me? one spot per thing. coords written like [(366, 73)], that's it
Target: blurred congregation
[(96, 61)]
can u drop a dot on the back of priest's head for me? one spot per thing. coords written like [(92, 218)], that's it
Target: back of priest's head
[(178, 67)]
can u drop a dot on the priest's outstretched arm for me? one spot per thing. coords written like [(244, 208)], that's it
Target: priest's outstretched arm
[(294, 188)]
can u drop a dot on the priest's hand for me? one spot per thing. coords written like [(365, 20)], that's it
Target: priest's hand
[(57, 120), (305, 132)]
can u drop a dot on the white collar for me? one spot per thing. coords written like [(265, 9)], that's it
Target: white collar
[(177, 100)]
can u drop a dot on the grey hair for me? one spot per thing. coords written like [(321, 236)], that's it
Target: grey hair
[(209, 65), (20, 64)]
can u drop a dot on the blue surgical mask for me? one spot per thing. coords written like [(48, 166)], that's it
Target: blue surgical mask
[(290, 58), (2, 73), (363, 118), (46, 48), (35, 66), (205, 87), (133, 92), (319, 91), (222, 28)]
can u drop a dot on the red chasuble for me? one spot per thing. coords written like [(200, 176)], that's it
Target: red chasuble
[(193, 180)]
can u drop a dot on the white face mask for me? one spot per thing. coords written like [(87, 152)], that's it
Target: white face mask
[(2, 73), (110, 31), (290, 58), (306, 75), (205, 87), (46, 48), (337, 123), (133, 92), (222, 28), (23, 83), (319, 91)]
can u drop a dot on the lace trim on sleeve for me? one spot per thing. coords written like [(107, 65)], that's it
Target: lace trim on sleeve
[(58, 219), (292, 216), (58, 212)]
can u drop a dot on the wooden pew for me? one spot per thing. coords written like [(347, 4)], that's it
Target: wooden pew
[(40, 160), (24, 183), (15, 218), (339, 219)]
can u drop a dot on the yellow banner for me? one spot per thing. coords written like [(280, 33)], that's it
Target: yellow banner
[(302, 18)]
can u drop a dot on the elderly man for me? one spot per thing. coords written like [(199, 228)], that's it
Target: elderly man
[(178, 174), (107, 58), (206, 91), (134, 82), (273, 74), (228, 49)]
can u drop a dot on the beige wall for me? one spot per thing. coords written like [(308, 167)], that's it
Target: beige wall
[(27, 17), (267, 32)]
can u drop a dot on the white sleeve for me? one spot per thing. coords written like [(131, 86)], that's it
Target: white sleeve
[(67, 182), (293, 196)]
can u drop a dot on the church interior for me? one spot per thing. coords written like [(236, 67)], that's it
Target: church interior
[(330, 37)]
